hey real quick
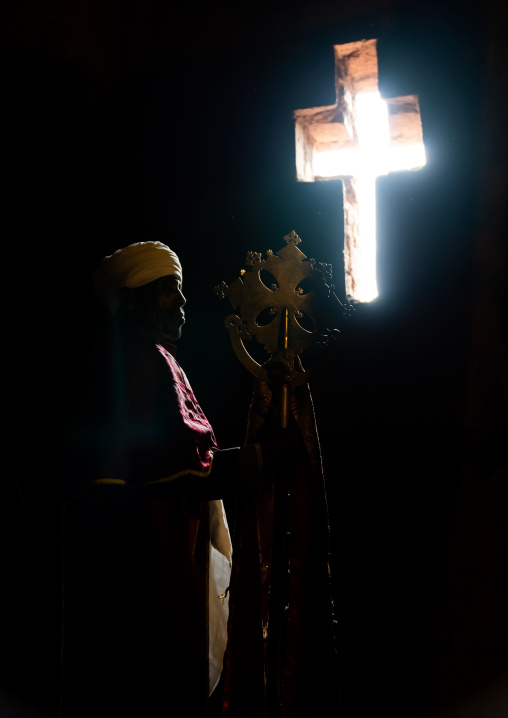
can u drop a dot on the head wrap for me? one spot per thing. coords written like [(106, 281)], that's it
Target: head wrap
[(133, 266)]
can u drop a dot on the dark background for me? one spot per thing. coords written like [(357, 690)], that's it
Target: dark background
[(126, 121)]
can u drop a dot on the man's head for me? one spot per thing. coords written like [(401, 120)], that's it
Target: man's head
[(145, 279), (157, 307)]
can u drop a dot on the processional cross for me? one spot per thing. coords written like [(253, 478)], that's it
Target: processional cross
[(272, 298), (284, 335), (358, 139)]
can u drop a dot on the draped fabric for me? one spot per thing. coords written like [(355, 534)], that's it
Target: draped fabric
[(135, 607), (139, 422), (309, 662), (145, 558)]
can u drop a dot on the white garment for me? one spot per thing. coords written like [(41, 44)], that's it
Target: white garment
[(218, 583)]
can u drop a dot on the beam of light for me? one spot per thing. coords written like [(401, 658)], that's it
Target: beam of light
[(372, 157)]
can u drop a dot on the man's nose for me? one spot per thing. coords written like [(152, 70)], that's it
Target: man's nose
[(180, 300)]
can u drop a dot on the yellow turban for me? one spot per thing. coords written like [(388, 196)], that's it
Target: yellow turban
[(133, 266)]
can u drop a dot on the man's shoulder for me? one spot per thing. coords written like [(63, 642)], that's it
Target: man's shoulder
[(126, 351)]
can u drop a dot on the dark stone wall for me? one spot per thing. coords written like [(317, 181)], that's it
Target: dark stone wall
[(126, 121)]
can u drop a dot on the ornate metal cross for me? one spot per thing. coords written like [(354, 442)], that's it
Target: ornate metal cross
[(300, 290), (285, 302)]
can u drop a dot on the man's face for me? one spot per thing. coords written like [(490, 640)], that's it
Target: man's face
[(158, 307)]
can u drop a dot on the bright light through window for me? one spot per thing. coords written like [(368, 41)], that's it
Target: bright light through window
[(358, 139), (370, 158)]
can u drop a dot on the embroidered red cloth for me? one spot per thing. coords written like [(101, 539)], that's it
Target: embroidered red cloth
[(140, 422), (199, 436)]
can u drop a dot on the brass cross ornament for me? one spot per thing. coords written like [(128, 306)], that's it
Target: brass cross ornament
[(274, 298)]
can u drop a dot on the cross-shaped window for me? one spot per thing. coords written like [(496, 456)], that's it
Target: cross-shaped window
[(359, 138)]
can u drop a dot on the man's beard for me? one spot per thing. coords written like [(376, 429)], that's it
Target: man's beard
[(171, 323)]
